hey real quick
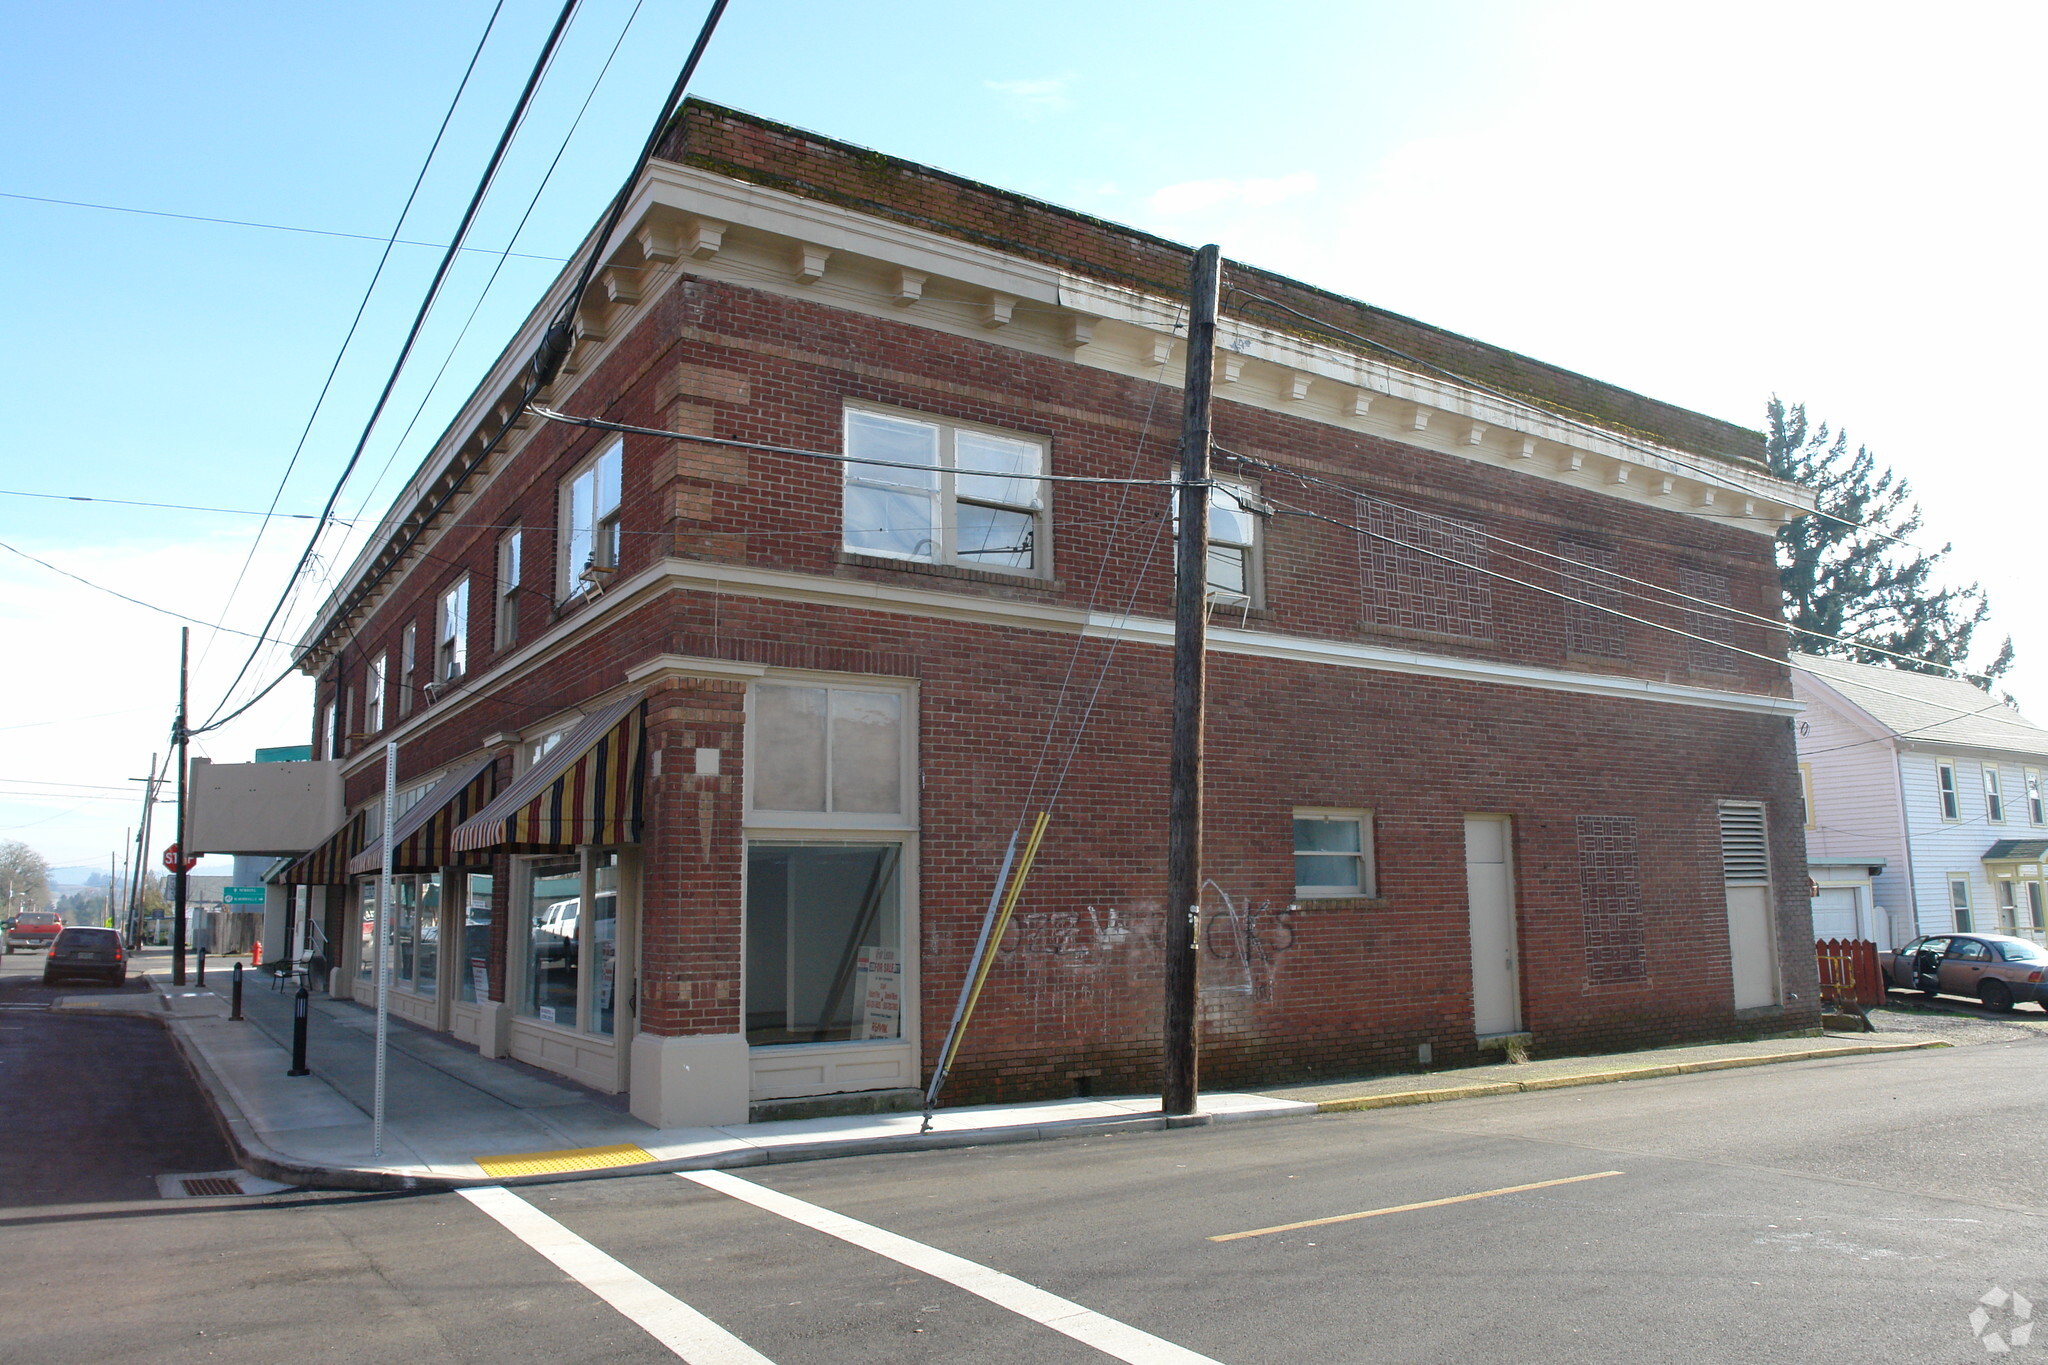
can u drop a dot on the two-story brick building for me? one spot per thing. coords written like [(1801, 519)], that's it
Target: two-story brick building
[(710, 756)]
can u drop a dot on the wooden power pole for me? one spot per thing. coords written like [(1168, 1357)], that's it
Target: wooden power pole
[(178, 923), (1179, 1063)]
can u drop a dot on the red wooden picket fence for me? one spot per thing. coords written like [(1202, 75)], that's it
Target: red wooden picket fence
[(1848, 971)]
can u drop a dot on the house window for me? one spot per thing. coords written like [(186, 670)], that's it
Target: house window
[(1233, 571), (572, 942), (1332, 853), (505, 623), (590, 523), (2008, 906), (2035, 916), (1806, 794), (970, 497), (2037, 811), (1994, 795), (408, 663), (330, 732), (824, 943), (451, 652), (1951, 798), (373, 695), (829, 751), (1959, 901)]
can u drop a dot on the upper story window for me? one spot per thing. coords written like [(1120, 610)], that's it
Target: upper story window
[(1807, 816), (408, 666), (1951, 797), (1332, 853), (969, 496), (1234, 568), (590, 523), (451, 649), (1994, 795), (330, 732), (2037, 810), (505, 623), (829, 755), (373, 695)]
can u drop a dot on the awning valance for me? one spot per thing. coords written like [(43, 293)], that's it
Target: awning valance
[(326, 863), (585, 790), (421, 840)]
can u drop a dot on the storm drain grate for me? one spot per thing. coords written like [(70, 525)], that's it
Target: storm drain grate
[(214, 1185)]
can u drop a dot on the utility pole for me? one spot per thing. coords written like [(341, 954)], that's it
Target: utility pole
[(1180, 1059), (178, 924)]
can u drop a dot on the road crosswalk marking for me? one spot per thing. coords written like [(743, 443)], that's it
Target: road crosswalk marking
[(685, 1331), (1084, 1325)]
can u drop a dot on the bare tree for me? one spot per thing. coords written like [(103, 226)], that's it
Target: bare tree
[(24, 877)]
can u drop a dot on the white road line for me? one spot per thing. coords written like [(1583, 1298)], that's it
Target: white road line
[(663, 1316), (1084, 1325)]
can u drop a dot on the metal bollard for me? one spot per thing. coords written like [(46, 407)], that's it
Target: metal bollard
[(202, 966), (235, 1011), (299, 1007)]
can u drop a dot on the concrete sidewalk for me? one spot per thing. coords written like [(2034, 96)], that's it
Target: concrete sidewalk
[(447, 1109), (455, 1118)]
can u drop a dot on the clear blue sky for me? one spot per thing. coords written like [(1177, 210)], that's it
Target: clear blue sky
[(1706, 206)]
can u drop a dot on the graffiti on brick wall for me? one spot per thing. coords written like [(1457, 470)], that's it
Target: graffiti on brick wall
[(1244, 939)]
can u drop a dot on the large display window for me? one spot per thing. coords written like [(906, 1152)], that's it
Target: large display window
[(824, 943), (571, 949)]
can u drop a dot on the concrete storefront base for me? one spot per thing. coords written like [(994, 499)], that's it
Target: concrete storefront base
[(694, 1081)]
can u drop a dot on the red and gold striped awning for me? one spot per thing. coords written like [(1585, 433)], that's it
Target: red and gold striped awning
[(585, 790), (326, 863), (421, 838)]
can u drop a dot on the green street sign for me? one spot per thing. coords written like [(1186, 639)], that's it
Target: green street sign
[(242, 895)]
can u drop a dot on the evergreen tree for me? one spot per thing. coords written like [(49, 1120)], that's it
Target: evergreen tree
[(1851, 574)]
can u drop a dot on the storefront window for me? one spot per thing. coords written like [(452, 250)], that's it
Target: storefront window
[(823, 943), (604, 939), (476, 939), (366, 958), (554, 913), (406, 901), (427, 958)]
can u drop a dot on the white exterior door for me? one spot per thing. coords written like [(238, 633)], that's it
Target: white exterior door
[(1752, 931), (1490, 891), (1835, 913)]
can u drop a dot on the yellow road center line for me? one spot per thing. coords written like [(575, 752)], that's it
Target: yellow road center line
[(1410, 1208)]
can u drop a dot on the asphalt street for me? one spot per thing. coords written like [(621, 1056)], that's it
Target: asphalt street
[(1854, 1210)]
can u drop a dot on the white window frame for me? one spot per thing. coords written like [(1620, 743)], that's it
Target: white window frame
[(1960, 909), (1994, 794), (2037, 911), (590, 532), (2008, 905), (944, 492), (2037, 809), (330, 733), (505, 613), (1238, 500), (1368, 877), (373, 694), (408, 666), (1806, 794), (904, 819), (451, 632), (1948, 794)]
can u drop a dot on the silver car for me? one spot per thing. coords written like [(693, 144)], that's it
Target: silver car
[(1994, 969)]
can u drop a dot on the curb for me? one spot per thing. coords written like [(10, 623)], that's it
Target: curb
[(1396, 1099)]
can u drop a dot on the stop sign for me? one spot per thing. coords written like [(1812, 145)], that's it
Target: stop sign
[(175, 864)]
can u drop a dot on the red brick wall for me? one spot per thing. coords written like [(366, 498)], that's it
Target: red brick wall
[(1315, 990)]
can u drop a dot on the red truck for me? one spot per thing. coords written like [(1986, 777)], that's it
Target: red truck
[(34, 929)]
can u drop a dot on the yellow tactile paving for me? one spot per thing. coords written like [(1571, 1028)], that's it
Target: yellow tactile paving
[(574, 1159)]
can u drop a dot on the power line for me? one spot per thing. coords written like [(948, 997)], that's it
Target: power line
[(162, 506), (334, 367), (268, 227), (135, 601), (469, 213)]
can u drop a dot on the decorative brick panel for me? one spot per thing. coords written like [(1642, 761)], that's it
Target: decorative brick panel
[(1591, 626), (1425, 572), (1611, 899), (1705, 625)]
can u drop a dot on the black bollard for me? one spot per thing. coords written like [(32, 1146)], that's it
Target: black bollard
[(299, 1007), (202, 966), (235, 1011)]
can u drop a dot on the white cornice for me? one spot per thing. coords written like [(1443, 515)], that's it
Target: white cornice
[(684, 219)]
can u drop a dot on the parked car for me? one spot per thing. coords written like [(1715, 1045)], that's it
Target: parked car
[(554, 932), (1992, 968), (94, 953), (33, 929)]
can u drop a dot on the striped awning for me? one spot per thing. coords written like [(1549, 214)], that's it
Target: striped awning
[(420, 840), (585, 790), (326, 863)]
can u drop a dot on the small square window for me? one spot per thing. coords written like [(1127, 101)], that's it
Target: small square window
[(1332, 853)]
